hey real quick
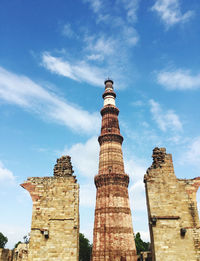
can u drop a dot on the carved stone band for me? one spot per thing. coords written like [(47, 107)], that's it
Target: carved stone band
[(113, 210), (110, 137), (118, 230), (109, 109), (119, 193), (114, 253), (111, 179)]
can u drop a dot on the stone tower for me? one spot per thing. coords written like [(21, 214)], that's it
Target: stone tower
[(55, 219), (113, 237)]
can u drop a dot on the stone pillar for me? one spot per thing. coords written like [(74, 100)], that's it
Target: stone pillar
[(55, 219), (113, 237), (172, 211)]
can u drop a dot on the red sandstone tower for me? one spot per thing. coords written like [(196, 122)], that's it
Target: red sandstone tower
[(113, 238)]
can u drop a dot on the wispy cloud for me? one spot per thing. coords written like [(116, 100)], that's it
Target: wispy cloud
[(179, 80), (102, 45), (86, 71), (131, 6), (123, 25), (79, 71), (5, 174), (136, 168), (138, 103), (95, 57), (193, 153), (137, 196), (67, 31), (96, 5), (170, 12), (85, 162), (130, 35), (85, 156), (114, 34), (22, 91), (102, 9), (165, 120)]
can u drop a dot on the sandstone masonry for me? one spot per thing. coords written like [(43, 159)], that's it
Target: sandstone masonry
[(6, 254), (172, 211), (20, 253), (55, 219), (113, 238)]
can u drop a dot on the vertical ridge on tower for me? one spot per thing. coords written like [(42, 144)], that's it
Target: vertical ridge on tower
[(113, 237)]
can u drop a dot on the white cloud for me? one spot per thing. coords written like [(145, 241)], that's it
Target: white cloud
[(85, 72), (95, 57), (179, 80), (22, 91), (137, 196), (134, 168), (67, 31), (145, 124), (79, 71), (88, 195), (102, 45), (170, 12), (98, 59), (193, 153), (131, 35), (126, 33), (85, 156), (96, 5), (5, 174), (165, 120), (138, 103), (131, 7)]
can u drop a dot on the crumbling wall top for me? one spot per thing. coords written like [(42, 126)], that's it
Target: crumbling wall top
[(158, 157), (162, 165), (63, 167)]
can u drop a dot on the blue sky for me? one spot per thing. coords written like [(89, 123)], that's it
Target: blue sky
[(54, 58)]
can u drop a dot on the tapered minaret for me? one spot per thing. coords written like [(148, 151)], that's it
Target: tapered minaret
[(113, 237)]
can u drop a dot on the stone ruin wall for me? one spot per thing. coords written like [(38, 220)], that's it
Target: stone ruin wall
[(172, 211), (55, 218), (20, 253), (6, 254)]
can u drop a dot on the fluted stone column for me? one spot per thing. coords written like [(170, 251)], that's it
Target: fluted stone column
[(113, 237)]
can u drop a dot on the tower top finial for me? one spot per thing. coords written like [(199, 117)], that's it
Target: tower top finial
[(109, 94), (108, 80)]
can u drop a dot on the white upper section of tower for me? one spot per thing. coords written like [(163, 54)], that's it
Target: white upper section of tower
[(109, 95), (109, 99)]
